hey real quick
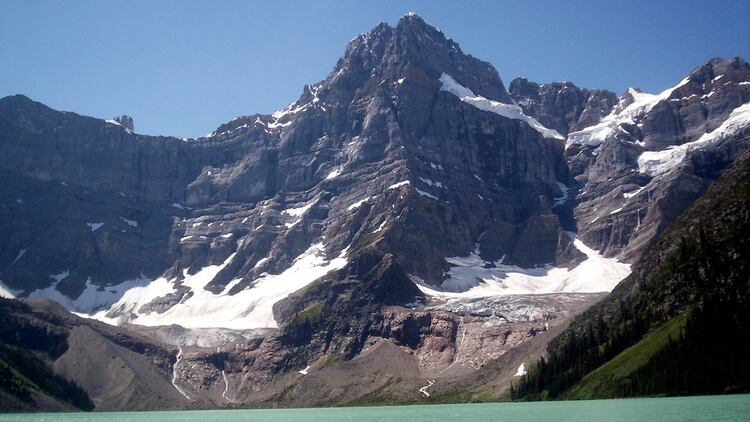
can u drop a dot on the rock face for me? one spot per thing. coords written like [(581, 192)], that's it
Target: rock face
[(562, 105), (655, 154)]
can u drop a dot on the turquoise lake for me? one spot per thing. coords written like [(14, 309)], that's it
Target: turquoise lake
[(700, 408)]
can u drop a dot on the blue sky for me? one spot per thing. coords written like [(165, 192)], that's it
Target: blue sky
[(184, 67)]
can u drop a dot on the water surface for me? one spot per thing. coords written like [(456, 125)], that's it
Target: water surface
[(699, 408)]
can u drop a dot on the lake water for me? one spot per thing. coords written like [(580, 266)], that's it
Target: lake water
[(700, 408)]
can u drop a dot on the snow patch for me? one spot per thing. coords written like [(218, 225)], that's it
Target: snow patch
[(654, 163), (93, 298), (642, 104), (131, 223), (230, 286), (628, 195), (398, 185), (333, 174), (250, 308), (380, 227), (472, 278), (116, 123), (260, 262), (510, 111), (95, 226), (521, 370), (357, 204), (297, 213)]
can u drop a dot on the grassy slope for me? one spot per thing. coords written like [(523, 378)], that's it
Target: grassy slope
[(604, 381)]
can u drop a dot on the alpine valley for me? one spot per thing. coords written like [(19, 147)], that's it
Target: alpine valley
[(407, 231)]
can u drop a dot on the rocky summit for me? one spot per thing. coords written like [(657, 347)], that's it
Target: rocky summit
[(408, 229)]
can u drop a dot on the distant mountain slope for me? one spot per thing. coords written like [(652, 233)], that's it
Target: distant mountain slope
[(51, 359), (677, 324)]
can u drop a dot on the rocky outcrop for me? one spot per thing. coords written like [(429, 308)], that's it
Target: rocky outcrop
[(126, 122), (562, 105)]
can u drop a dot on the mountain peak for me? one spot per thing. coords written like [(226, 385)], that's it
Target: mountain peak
[(412, 45), (411, 18), (718, 66)]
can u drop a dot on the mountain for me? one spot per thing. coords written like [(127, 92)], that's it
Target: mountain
[(407, 221), (405, 134), (672, 326)]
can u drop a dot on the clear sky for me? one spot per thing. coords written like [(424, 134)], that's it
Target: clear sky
[(184, 67)]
